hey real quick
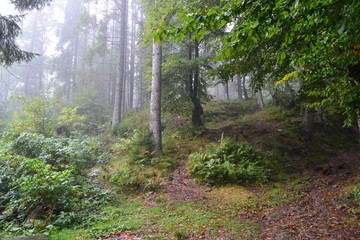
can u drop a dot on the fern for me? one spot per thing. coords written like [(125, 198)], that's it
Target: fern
[(228, 162)]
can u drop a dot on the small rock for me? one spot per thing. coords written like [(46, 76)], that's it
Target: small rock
[(328, 171), (318, 168), (341, 207), (341, 166)]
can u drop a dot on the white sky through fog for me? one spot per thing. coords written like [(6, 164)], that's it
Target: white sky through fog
[(6, 7)]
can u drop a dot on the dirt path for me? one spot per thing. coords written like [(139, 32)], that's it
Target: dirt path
[(182, 187), (322, 211)]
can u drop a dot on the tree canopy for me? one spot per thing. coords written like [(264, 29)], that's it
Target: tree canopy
[(10, 29), (316, 42)]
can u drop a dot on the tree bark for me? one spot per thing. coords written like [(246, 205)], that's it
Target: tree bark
[(132, 59), (239, 87), (155, 101), (261, 99), (309, 122), (120, 81), (358, 119), (246, 96), (194, 92), (226, 89)]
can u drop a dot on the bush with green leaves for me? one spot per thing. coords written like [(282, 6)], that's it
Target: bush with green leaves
[(39, 184), (50, 174), (140, 168), (137, 145), (43, 115), (93, 110), (229, 162), (356, 192), (79, 153)]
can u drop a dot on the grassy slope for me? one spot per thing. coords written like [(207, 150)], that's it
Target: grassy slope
[(234, 212)]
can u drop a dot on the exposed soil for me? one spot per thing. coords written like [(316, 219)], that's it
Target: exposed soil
[(321, 212), (183, 188)]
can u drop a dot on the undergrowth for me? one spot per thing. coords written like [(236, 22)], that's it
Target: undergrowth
[(46, 183), (229, 162)]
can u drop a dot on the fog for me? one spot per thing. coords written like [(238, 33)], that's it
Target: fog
[(92, 50)]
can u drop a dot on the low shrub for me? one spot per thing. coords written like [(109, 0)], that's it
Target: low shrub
[(140, 168), (81, 154), (48, 176), (135, 178), (356, 192), (137, 145), (229, 162)]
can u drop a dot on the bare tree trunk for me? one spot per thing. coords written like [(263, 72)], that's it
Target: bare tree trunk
[(141, 96), (261, 99), (358, 118), (226, 89), (309, 122), (239, 86), (132, 57), (120, 81), (155, 101), (194, 92), (244, 87), (75, 66)]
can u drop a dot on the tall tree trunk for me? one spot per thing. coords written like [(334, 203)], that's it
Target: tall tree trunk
[(141, 96), (226, 89), (358, 118), (132, 57), (112, 69), (155, 101), (239, 86), (260, 99), (309, 122), (75, 67), (194, 92), (120, 81), (246, 96)]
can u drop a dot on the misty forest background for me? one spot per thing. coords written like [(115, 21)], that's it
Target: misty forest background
[(101, 99)]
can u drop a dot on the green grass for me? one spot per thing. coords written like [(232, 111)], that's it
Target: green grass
[(219, 111), (227, 211), (173, 220)]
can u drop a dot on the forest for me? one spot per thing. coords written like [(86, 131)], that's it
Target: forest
[(186, 119)]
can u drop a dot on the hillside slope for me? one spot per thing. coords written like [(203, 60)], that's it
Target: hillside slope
[(309, 195)]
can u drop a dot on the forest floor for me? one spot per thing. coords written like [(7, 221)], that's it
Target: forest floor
[(312, 203)]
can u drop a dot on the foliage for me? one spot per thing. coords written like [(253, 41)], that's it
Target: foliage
[(133, 120), (218, 111), (29, 5), (41, 115), (39, 184), (229, 162), (92, 111), (176, 70), (78, 153), (10, 29), (140, 168), (356, 192), (137, 145), (130, 178), (315, 41), (48, 175), (5, 115)]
